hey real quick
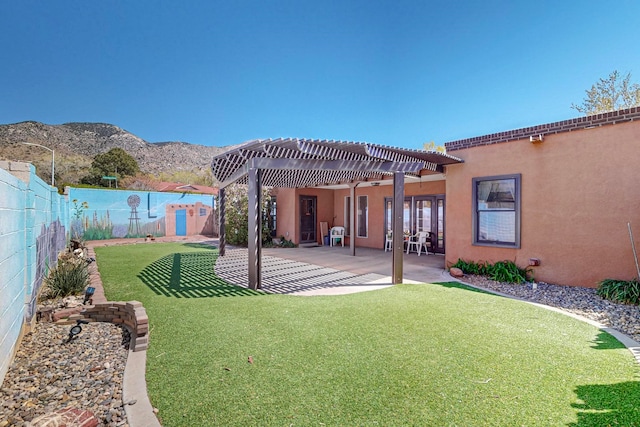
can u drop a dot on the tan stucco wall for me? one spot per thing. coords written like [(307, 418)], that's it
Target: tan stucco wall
[(288, 208), (285, 212), (579, 190)]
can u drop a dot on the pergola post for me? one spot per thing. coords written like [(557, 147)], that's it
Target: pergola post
[(221, 221), (255, 227), (397, 221)]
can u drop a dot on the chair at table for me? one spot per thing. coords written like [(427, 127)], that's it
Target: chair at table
[(430, 243), (388, 241), (418, 240), (336, 235)]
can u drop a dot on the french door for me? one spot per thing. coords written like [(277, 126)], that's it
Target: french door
[(420, 213)]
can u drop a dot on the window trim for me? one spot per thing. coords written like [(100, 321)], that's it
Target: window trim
[(517, 210), (366, 218), (347, 215)]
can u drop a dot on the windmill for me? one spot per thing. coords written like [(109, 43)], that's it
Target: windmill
[(134, 222)]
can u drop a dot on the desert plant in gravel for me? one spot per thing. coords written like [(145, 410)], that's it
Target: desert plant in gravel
[(624, 291), (501, 271), (69, 277)]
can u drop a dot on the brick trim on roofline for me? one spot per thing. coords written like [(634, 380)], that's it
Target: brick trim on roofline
[(587, 122)]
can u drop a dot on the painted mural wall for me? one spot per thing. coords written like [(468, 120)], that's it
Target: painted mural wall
[(98, 214), (34, 221)]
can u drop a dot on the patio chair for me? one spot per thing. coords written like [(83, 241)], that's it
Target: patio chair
[(418, 240), (336, 235), (388, 241)]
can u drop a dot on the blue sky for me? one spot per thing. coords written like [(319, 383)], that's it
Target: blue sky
[(397, 73)]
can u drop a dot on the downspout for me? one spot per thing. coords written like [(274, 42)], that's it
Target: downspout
[(352, 217)]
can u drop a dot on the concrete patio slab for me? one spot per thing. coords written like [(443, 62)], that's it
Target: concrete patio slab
[(326, 270)]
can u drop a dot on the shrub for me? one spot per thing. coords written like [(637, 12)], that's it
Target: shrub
[(237, 215), (624, 291), (284, 243), (501, 271), (69, 278)]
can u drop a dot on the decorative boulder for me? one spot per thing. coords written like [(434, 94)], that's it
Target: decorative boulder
[(456, 272), (68, 417)]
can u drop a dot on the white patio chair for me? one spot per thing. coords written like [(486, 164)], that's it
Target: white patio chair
[(336, 235), (417, 241), (388, 241)]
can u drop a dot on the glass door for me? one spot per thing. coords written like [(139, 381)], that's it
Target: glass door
[(420, 213)]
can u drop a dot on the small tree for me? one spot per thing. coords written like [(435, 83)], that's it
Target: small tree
[(115, 162), (237, 215), (431, 146), (610, 94)]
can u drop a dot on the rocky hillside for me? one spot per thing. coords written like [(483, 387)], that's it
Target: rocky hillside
[(82, 141)]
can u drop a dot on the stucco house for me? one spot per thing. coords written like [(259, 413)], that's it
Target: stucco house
[(556, 196), (574, 186)]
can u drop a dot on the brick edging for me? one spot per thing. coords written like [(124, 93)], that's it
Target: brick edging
[(131, 314)]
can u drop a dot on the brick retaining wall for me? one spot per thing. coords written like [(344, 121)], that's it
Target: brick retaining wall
[(131, 314)]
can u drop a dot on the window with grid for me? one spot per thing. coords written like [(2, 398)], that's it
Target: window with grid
[(496, 204)]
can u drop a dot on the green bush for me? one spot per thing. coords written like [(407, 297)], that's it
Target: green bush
[(69, 278), (624, 291), (237, 215), (501, 271)]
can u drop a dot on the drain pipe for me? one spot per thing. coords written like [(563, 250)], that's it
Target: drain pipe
[(633, 247)]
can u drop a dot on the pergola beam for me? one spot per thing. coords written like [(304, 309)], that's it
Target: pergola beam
[(337, 165)]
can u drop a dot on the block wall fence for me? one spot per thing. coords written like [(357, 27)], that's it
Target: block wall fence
[(35, 227), (34, 220)]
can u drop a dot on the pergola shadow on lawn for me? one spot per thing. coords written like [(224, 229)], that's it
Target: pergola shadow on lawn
[(405, 355), (189, 275)]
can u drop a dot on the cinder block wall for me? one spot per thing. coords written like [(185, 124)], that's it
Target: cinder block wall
[(33, 224)]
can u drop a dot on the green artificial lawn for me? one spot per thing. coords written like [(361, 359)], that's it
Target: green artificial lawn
[(419, 355)]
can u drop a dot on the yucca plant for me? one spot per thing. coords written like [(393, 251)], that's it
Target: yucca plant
[(624, 291), (68, 278)]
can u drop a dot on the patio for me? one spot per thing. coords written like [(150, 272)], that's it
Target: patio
[(325, 270)]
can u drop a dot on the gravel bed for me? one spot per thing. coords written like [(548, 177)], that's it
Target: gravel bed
[(582, 301), (50, 372)]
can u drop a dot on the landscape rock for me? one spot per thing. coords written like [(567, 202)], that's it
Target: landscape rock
[(69, 417), (456, 272), (50, 374)]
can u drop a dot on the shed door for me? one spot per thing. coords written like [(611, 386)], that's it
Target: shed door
[(181, 222)]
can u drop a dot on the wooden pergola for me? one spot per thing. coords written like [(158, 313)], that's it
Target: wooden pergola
[(301, 163)]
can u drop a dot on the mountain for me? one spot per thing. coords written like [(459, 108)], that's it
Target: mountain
[(76, 144)]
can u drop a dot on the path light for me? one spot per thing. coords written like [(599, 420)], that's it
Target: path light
[(75, 330), (88, 293)]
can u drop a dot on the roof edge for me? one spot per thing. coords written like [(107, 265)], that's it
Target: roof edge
[(586, 122)]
